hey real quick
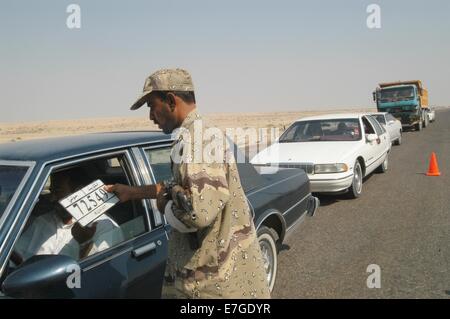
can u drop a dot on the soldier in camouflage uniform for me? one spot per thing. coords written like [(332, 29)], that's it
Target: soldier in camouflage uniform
[(213, 248)]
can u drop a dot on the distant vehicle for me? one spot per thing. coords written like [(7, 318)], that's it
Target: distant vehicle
[(431, 114), (337, 151), (392, 125), (131, 265), (406, 100)]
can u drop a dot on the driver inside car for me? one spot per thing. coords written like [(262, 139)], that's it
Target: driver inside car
[(342, 129), (56, 233)]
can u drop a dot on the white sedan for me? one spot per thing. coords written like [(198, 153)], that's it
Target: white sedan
[(431, 112), (391, 124), (337, 151)]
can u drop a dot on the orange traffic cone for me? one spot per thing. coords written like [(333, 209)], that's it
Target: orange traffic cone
[(433, 169)]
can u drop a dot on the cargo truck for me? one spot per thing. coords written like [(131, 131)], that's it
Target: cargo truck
[(405, 100)]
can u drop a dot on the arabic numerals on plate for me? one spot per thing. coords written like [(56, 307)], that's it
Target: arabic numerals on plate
[(101, 195), (92, 201), (80, 209), (85, 204)]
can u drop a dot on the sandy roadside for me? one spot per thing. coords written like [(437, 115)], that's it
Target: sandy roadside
[(13, 132)]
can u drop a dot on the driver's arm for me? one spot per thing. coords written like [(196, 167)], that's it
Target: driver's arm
[(126, 193)]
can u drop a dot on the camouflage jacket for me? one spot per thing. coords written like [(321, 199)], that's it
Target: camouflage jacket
[(220, 257)]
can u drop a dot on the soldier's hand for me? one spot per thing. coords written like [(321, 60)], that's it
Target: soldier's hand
[(178, 194), (123, 192), (161, 199)]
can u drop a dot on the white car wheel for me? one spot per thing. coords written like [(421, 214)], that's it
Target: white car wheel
[(355, 189)]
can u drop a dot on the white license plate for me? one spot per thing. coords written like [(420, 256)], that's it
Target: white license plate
[(89, 203)]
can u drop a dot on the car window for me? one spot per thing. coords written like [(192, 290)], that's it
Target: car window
[(52, 230), (368, 129), (10, 179), (323, 130), (378, 128), (383, 128), (291, 131), (390, 118), (380, 118), (159, 159)]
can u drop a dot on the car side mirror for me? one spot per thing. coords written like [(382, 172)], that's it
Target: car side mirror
[(42, 276), (371, 137)]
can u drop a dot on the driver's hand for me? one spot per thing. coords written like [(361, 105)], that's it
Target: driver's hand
[(83, 234), (123, 192)]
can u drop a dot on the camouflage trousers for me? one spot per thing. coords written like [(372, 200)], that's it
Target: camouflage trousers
[(244, 278)]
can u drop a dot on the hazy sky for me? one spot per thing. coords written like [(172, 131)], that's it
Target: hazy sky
[(243, 55)]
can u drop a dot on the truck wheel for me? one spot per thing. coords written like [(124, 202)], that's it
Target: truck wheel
[(356, 189), (267, 238)]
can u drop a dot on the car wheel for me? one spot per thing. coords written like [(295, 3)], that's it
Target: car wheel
[(384, 166), (267, 238), (356, 189), (399, 140)]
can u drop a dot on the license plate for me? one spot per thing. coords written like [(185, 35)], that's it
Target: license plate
[(89, 203)]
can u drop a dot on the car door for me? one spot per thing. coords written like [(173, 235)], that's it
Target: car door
[(130, 252), (393, 127), (142, 257), (384, 141), (156, 165), (370, 150)]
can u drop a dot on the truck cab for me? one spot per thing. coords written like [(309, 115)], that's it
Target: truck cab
[(407, 101)]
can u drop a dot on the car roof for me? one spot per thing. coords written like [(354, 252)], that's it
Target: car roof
[(377, 113), (48, 149), (332, 116)]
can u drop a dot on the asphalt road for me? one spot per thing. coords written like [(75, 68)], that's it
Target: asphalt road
[(401, 222)]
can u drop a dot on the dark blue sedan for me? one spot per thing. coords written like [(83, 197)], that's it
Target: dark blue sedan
[(43, 255)]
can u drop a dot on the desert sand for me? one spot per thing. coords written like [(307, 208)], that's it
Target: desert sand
[(13, 132)]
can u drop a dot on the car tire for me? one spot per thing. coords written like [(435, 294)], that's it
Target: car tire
[(399, 140), (267, 238), (384, 166), (355, 189)]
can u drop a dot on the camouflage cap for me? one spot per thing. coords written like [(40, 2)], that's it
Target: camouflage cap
[(165, 80)]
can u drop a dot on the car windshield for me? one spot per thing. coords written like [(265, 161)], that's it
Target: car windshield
[(323, 130), (397, 94), (380, 118), (10, 178)]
